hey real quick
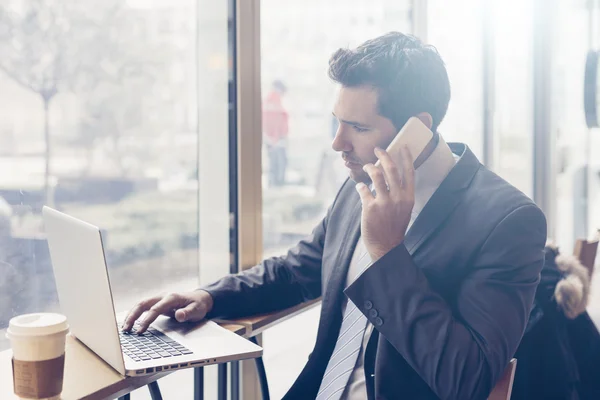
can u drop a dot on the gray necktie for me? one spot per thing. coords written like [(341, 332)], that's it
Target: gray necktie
[(347, 347)]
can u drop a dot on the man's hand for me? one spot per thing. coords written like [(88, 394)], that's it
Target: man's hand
[(184, 307), (385, 218)]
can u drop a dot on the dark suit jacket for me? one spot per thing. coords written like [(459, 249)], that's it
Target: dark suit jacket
[(451, 301)]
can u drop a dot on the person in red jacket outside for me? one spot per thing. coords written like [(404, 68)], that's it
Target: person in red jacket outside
[(275, 133)]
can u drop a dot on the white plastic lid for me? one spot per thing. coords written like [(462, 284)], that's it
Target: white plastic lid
[(39, 324)]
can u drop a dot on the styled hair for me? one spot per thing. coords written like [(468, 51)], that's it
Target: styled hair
[(410, 77)]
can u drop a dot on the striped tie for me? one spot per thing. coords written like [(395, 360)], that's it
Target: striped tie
[(347, 347)]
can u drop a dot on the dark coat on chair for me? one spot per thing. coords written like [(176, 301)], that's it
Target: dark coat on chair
[(559, 356)]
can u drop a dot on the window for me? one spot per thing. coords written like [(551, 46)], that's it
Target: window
[(513, 92), (571, 151), (301, 173), (455, 28), (593, 154), (114, 112), (585, 203)]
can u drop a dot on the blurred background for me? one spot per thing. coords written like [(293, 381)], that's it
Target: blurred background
[(122, 113)]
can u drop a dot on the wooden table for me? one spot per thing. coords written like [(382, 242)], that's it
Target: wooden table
[(87, 376), (259, 323)]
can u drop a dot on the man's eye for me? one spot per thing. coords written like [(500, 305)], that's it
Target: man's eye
[(359, 129)]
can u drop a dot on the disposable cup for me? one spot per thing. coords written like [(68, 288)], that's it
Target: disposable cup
[(38, 346)]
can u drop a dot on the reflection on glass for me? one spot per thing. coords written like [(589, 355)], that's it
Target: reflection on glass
[(98, 119)]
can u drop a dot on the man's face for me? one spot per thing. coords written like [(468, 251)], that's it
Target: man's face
[(360, 130)]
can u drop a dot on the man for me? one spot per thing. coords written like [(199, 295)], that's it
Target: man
[(427, 281), (275, 128)]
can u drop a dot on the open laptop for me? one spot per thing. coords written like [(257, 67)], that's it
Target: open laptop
[(85, 296)]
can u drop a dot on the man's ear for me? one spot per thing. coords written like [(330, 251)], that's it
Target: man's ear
[(426, 119)]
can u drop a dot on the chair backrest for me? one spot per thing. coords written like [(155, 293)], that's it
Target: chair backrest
[(585, 251), (503, 388)]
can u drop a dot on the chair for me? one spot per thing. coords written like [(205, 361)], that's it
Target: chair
[(585, 251), (504, 386)]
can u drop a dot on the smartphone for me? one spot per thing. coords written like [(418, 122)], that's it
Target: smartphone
[(415, 134)]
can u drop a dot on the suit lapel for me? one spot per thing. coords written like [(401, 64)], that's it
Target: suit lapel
[(439, 207), (333, 293), (444, 200)]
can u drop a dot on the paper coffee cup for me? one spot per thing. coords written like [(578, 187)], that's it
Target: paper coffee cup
[(38, 346)]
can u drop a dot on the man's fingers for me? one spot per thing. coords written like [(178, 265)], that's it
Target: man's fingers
[(137, 311), (193, 312), (376, 175), (365, 194), (165, 306), (390, 170), (408, 170)]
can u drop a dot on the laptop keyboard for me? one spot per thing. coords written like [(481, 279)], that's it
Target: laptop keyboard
[(150, 345)]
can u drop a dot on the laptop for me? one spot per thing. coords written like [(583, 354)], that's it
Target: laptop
[(85, 296)]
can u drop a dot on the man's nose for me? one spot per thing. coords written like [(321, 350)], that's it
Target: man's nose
[(340, 141)]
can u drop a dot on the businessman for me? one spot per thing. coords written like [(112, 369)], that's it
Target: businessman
[(427, 267)]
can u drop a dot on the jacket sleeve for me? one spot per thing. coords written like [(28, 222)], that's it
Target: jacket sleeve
[(459, 350), (275, 284)]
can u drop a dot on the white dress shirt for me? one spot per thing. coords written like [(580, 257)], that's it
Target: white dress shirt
[(428, 178)]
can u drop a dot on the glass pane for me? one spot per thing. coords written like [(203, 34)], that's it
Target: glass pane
[(513, 100), (100, 110), (593, 157), (455, 28), (570, 49), (301, 173)]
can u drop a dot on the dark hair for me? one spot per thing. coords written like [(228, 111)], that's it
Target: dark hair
[(410, 76)]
